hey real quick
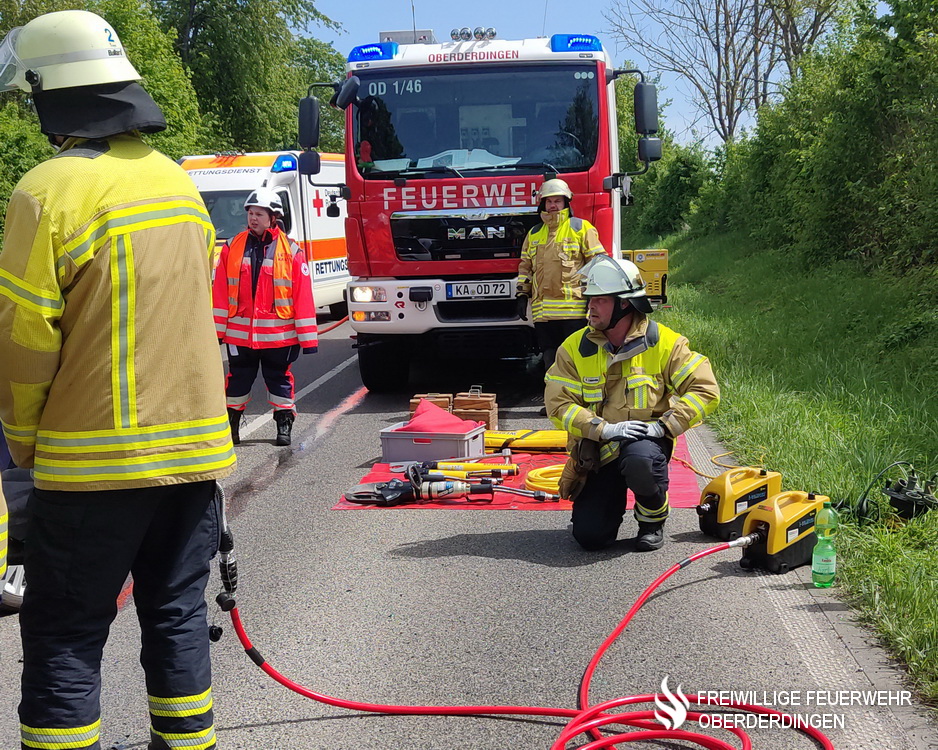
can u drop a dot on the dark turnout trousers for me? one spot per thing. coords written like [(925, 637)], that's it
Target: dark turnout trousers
[(275, 368), (80, 547), (642, 467)]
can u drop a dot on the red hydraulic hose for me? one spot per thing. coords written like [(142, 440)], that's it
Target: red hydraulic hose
[(586, 719), (334, 325)]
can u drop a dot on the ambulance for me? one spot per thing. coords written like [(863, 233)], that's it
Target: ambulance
[(313, 214)]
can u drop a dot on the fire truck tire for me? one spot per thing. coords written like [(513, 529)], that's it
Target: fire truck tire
[(383, 367)]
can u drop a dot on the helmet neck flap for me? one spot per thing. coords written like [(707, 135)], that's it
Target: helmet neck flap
[(98, 111)]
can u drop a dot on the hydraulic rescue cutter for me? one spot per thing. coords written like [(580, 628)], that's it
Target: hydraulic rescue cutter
[(785, 527), (426, 484), (725, 502)]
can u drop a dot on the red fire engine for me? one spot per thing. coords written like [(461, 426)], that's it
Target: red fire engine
[(446, 145)]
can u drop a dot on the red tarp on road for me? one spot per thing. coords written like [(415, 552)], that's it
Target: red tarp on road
[(682, 493)]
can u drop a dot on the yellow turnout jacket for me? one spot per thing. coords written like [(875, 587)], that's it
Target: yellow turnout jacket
[(551, 257), (110, 373), (654, 375)]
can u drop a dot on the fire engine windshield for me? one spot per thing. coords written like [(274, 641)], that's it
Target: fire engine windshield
[(419, 122)]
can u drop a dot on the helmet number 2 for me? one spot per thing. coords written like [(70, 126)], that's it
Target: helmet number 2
[(110, 34)]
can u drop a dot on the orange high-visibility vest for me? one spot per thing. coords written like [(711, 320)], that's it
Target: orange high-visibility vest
[(283, 274)]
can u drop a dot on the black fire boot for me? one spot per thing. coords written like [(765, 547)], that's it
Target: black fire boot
[(284, 419), (234, 419), (650, 537)]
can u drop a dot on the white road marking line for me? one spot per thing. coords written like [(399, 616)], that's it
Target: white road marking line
[(260, 421)]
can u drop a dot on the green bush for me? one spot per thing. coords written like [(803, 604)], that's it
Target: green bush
[(24, 146), (663, 195), (845, 165)]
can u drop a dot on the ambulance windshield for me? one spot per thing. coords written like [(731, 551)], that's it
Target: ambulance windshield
[(418, 121), (226, 209)]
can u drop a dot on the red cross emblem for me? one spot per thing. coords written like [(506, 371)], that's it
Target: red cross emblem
[(318, 203)]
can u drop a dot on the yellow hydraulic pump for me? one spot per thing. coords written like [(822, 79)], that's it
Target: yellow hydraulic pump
[(785, 523), (725, 502)]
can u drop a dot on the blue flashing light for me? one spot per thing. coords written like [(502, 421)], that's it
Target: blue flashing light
[(284, 163), (575, 43), (379, 51)]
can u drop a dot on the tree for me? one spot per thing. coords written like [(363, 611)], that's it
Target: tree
[(150, 49), (242, 56), (24, 146), (728, 51), (319, 62), (801, 23), (711, 47)]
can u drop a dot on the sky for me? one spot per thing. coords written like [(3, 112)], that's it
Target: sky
[(513, 19)]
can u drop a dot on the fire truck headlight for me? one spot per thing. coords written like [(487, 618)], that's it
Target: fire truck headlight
[(490, 32), (479, 33), (361, 316), (369, 294), (465, 33), (454, 35)]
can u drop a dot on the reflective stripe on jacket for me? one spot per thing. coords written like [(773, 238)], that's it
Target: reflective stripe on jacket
[(4, 533), (110, 377), (551, 257), (589, 386), (256, 321), (282, 266)]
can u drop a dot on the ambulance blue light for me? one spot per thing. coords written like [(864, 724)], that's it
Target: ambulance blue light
[(284, 163), (575, 43), (380, 51)]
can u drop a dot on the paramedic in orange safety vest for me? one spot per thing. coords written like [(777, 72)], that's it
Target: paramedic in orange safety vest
[(264, 312)]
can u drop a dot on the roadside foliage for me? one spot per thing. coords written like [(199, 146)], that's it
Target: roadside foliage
[(806, 267), (220, 87)]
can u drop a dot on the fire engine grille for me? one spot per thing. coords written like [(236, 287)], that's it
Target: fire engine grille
[(470, 235), (477, 311)]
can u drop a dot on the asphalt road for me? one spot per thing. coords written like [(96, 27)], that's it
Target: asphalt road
[(411, 606)]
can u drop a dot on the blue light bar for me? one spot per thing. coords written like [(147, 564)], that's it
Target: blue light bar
[(380, 51), (284, 163), (575, 43)]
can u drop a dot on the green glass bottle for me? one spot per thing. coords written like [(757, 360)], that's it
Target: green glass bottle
[(824, 559)]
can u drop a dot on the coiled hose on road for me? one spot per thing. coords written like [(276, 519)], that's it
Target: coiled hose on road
[(584, 720)]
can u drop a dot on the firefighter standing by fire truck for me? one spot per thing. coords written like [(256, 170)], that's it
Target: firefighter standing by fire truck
[(610, 389), (264, 311), (111, 391), (552, 255)]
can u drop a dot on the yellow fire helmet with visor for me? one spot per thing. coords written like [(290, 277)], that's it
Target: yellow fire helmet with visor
[(65, 49)]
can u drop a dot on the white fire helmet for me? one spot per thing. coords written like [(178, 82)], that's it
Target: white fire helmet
[(265, 198), (618, 277), (554, 187)]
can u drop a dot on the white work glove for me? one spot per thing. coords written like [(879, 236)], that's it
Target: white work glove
[(656, 430), (633, 429)]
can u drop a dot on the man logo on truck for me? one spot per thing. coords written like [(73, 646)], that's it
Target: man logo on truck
[(476, 233)]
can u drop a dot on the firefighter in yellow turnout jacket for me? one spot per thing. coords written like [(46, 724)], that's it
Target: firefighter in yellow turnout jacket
[(551, 258), (111, 389), (624, 388)]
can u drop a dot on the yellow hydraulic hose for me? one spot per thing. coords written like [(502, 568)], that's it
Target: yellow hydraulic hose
[(546, 478)]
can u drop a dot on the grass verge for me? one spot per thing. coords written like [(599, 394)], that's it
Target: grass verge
[(829, 374)]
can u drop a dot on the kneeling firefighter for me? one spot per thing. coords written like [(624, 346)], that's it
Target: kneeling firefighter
[(610, 388), (264, 311)]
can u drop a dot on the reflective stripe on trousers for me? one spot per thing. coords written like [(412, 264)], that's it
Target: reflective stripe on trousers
[(82, 545), (275, 368), (642, 467)]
